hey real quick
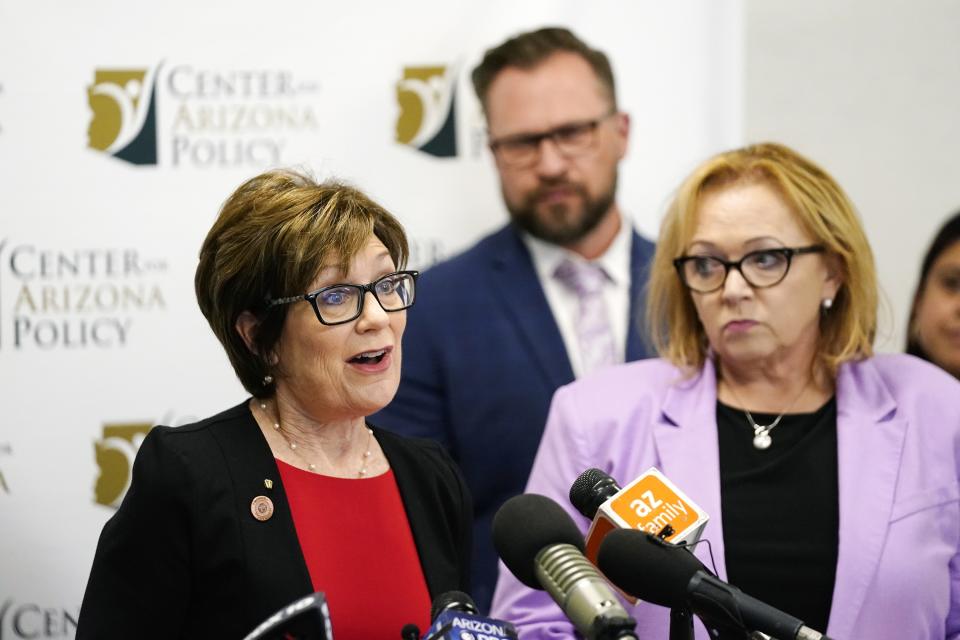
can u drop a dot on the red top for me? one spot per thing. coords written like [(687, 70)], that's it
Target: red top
[(359, 550)]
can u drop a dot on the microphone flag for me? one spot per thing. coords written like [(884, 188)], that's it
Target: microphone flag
[(650, 503)]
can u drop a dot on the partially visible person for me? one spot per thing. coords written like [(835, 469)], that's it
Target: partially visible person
[(292, 491), (830, 474), (934, 332), (549, 297)]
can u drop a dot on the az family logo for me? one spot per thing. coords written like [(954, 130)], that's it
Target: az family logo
[(124, 107), (426, 97)]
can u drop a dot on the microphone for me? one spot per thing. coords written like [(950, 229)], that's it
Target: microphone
[(305, 619), (453, 601), (543, 548), (670, 576), (650, 503), (410, 631), (455, 616)]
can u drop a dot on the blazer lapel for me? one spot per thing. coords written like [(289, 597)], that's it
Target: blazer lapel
[(869, 441), (687, 447), (637, 330), (515, 281), (425, 518), (277, 572)]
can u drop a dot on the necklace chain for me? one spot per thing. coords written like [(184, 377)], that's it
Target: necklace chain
[(367, 453), (761, 433)]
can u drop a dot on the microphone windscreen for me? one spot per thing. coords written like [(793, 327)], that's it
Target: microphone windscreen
[(452, 600), (590, 490), (524, 525), (647, 567)]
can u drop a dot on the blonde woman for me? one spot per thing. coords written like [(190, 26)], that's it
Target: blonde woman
[(830, 474)]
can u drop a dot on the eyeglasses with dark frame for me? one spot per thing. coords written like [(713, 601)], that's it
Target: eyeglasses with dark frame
[(342, 303), (571, 139), (761, 269)]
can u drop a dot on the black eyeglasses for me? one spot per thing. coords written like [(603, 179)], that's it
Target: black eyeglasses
[(340, 303), (760, 269), (571, 139)]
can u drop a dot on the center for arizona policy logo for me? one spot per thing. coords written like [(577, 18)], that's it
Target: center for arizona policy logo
[(428, 110), (180, 114), (115, 454), (123, 103), (116, 451), (57, 297)]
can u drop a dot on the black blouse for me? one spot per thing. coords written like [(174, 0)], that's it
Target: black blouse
[(780, 509)]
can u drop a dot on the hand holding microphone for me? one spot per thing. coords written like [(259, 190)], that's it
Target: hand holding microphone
[(543, 548)]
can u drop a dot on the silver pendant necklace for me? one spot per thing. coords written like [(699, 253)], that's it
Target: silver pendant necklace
[(761, 433)]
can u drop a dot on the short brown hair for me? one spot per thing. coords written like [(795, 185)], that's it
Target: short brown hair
[(270, 240), (822, 208), (527, 50)]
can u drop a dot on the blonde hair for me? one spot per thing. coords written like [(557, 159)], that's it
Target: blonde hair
[(825, 212), (272, 237)]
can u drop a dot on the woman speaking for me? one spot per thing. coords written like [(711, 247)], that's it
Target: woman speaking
[(232, 518), (830, 474)]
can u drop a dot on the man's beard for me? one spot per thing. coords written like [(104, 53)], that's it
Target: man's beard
[(562, 224)]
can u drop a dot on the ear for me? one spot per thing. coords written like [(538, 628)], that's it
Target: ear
[(834, 279), (622, 127), (246, 326)]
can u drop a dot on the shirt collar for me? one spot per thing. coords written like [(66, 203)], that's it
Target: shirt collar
[(615, 260)]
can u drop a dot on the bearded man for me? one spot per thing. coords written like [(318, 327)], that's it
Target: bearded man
[(551, 296)]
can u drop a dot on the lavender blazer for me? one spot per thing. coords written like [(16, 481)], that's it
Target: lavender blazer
[(898, 435)]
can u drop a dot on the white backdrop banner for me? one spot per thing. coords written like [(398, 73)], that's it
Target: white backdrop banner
[(124, 126)]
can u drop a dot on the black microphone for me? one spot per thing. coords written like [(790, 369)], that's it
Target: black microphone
[(589, 494), (454, 615), (453, 601), (543, 548), (590, 490), (650, 502), (670, 576), (305, 619)]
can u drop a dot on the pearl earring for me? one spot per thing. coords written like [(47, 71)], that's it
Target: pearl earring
[(827, 303), (267, 379)]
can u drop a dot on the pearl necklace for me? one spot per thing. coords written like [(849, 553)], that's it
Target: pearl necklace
[(293, 445)]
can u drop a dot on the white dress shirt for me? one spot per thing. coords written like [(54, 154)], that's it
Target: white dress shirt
[(564, 303)]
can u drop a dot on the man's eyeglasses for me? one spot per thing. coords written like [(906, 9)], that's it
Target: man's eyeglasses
[(760, 269), (340, 303), (572, 139)]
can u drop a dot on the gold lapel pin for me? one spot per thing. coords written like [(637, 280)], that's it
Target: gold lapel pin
[(262, 508), (268, 483)]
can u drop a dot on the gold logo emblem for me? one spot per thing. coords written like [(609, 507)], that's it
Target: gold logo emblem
[(123, 121), (427, 119), (115, 454)]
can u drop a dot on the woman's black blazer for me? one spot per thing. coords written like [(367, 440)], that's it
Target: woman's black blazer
[(183, 557)]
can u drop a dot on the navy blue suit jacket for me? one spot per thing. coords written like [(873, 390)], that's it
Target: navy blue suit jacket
[(482, 356)]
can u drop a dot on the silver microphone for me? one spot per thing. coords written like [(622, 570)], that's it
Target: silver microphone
[(543, 548), (575, 585)]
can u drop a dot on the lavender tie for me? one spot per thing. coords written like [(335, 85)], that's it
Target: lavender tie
[(593, 324)]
